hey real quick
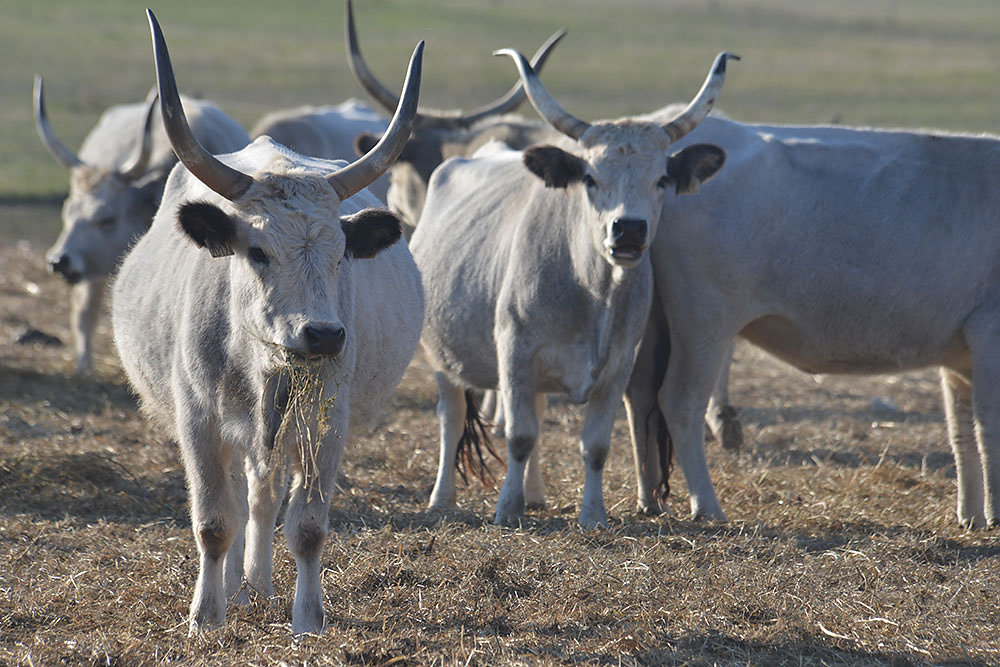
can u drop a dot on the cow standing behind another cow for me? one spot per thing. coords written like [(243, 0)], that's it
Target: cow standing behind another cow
[(538, 280), (260, 329), (838, 250), (115, 186)]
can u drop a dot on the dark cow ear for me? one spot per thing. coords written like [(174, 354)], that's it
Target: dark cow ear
[(694, 165), (554, 166), (370, 231), (364, 142), (208, 227)]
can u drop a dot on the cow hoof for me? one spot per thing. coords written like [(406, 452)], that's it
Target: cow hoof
[(201, 626), (707, 514), (442, 502), (971, 521), (536, 505)]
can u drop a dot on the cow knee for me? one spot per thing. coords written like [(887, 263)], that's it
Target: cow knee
[(214, 538), (520, 447), (595, 456), (306, 541)]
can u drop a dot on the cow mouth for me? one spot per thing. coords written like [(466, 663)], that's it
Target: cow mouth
[(627, 252), (71, 278)]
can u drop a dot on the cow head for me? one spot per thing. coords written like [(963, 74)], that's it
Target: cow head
[(622, 170), (288, 249), (437, 135), (107, 208)]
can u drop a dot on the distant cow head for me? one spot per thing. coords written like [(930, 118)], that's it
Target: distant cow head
[(623, 168), (437, 135), (287, 247), (106, 208)]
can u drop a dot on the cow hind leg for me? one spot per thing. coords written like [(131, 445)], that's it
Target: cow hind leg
[(721, 415), (957, 392), (644, 414), (86, 302), (233, 564), (534, 485), (451, 409), (265, 495)]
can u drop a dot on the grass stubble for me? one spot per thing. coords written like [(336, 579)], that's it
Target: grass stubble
[(841, 549)]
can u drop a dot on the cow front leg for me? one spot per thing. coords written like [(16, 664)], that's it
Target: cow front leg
[(216, 519), (86, 301), (534, 485), (451, 409), (522, 436), (265, 495), (306, 520), (595, 443), (683, 399), (721, 415), (957, 394)]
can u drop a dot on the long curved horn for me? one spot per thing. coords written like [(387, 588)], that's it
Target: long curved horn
[(228, 182), (544, 103), (703, 102), (136, 167), (377, 161), (382, 95), (63, 155), (514, 97)]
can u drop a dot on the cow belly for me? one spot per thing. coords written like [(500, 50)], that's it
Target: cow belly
[(853, 352)]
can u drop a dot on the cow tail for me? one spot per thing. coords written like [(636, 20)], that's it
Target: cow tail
[(664, 443), (469, 456)]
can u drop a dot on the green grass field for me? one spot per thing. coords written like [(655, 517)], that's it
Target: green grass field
[(870, 62)]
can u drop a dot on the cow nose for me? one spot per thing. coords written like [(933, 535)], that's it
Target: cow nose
[(628, 231), (59, 264), (324, 339)]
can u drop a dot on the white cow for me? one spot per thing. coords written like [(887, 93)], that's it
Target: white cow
[(838, 250), (538, 279), (115, 186), (327, 132), (259, 266)]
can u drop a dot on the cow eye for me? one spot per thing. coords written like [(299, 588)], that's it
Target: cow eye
[(258, 256), (589, 181), (663, 182)]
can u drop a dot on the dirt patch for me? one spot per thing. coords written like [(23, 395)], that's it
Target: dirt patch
[(841, 548)]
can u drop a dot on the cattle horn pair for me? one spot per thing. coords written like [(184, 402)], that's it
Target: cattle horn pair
[(512, 99), (132, 170), (232, 183), (573, 127)]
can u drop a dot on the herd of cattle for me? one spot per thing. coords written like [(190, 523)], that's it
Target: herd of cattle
[(548, 256)]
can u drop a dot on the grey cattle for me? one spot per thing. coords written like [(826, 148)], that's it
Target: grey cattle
[(326, 131), (837, 250), (114, 188), (264, 274), (439, 135), (538, 279)]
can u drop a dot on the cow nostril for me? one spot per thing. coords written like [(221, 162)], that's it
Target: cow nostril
[(616, 230), (628, 230), (324, 340), (60, 264)]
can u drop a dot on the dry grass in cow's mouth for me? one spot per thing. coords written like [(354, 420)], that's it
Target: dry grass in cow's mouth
[(305, 413)]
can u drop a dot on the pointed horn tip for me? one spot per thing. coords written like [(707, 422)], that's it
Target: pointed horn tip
[(721, 59)]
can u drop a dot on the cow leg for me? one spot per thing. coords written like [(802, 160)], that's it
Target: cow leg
[(683, 398), (982, 332), (493, 408), (307, 522), (233, 564), (85, 307), (215, 516), (595, 444), (534, 485), (451, 422), (957, 391), (643, 412), (265, 495), (721, 415), (522, 436)]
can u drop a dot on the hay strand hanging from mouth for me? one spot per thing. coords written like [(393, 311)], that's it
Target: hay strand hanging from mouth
[(305, 417)]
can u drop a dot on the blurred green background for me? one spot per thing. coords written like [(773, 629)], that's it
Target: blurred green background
[(899, 63)]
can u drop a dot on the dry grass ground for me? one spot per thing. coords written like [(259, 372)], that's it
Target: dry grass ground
[(842, 547)]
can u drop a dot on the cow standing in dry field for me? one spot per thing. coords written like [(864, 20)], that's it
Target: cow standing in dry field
[(837, 250), (538, 279), (260, 329), (439, 135), (326, 132), (115, 186)]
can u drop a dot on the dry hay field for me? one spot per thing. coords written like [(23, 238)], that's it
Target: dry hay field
[(841, 549)]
